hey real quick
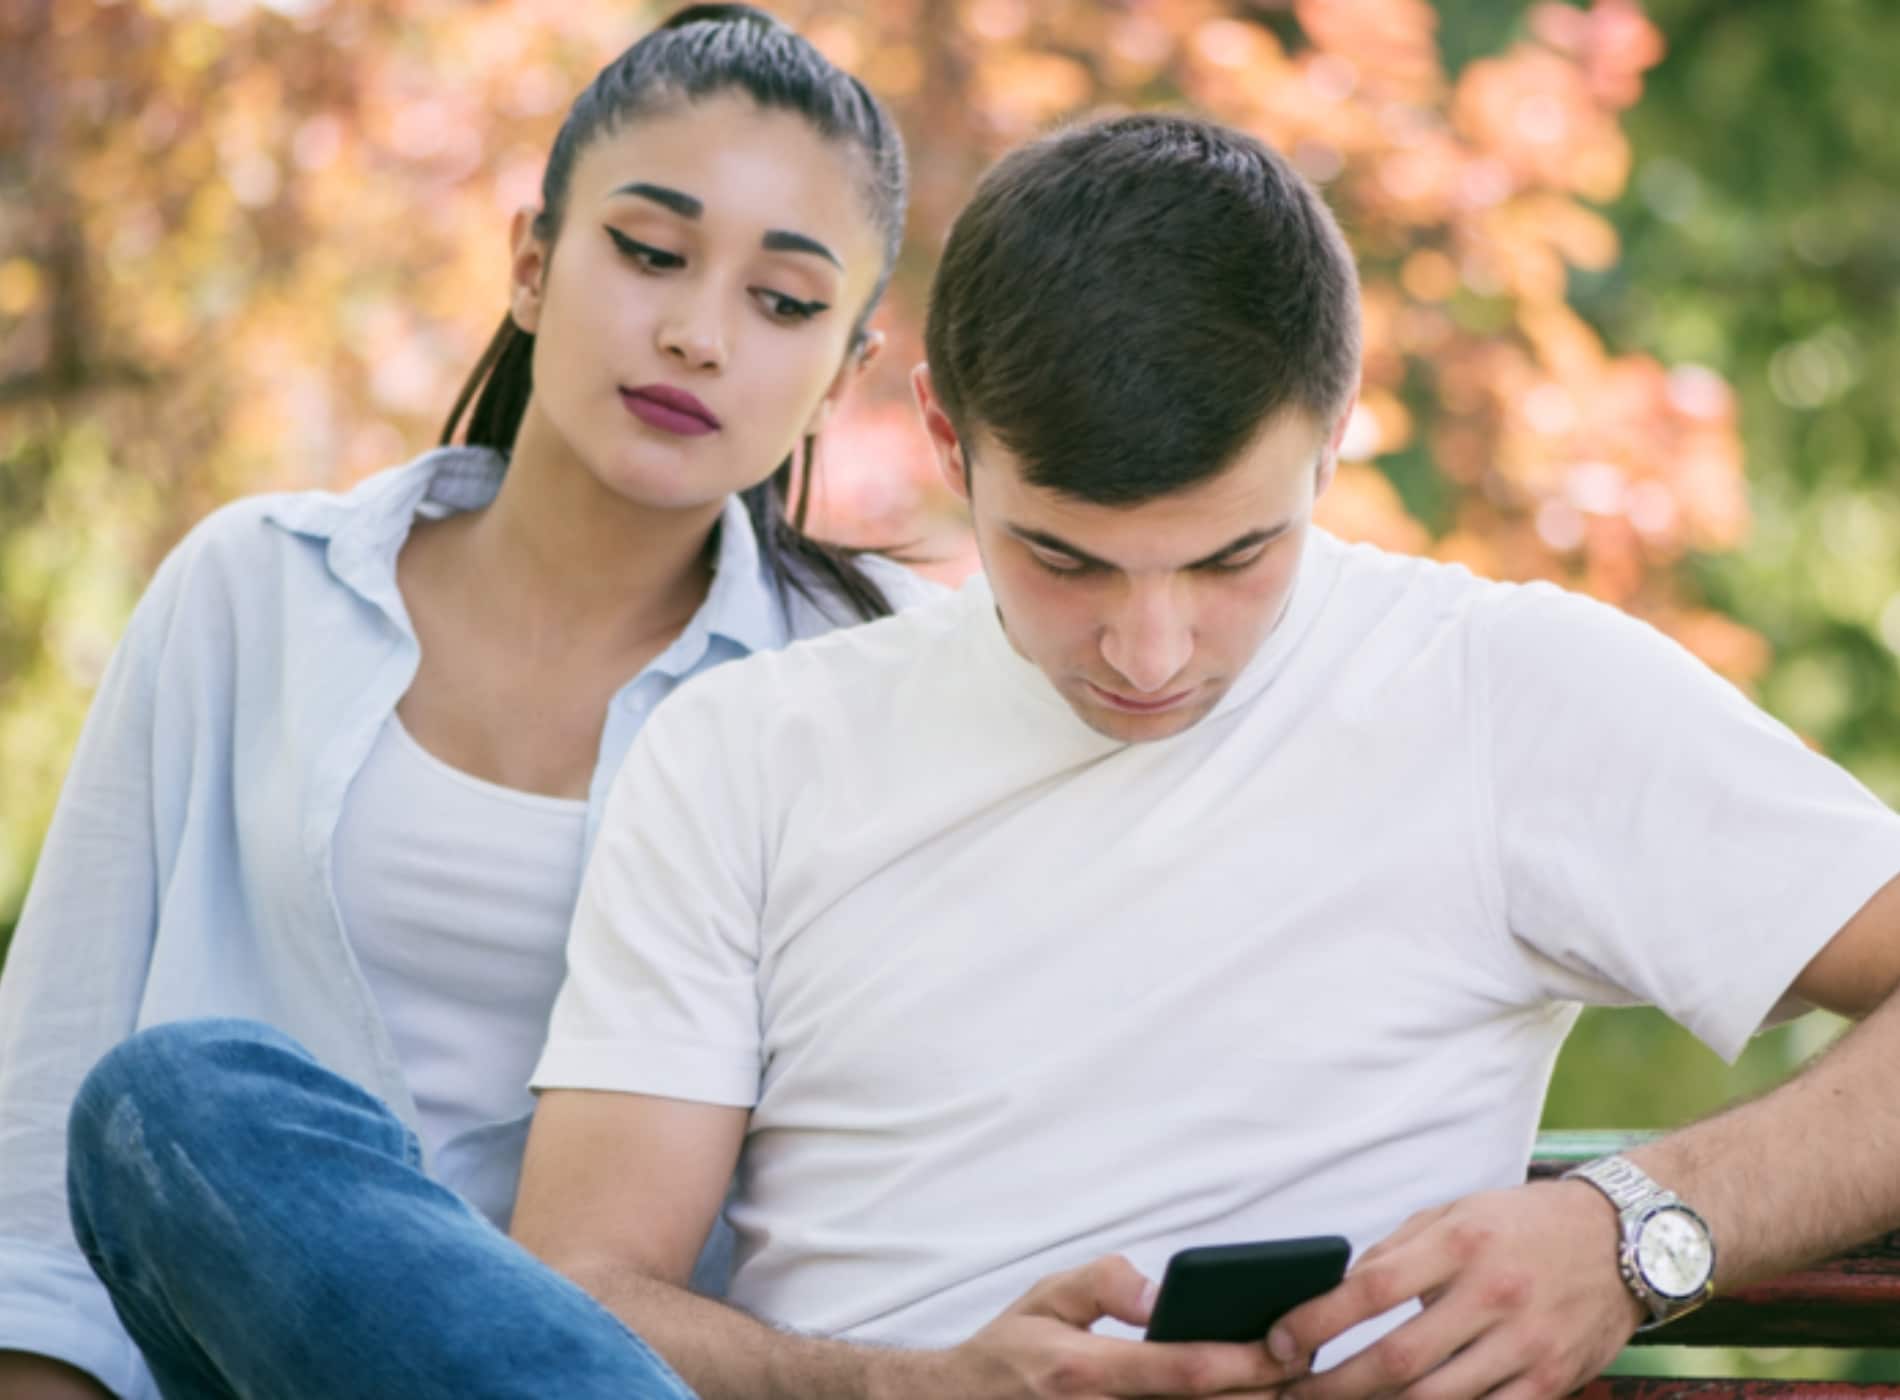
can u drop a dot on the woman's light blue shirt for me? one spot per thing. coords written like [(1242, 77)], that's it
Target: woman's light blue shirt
[(187, 871)]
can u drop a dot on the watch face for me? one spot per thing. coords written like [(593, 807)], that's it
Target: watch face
[(1674, 1253)]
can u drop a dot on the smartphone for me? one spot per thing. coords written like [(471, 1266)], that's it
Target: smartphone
[(1236, 1292)]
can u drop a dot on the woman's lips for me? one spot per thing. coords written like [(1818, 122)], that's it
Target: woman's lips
[(670, 410), (1139, 707)]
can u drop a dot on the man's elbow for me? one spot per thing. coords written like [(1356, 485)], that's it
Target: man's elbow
[(603, 1269)]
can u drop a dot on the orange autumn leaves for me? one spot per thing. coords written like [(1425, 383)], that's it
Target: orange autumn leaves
[(1471, 200), (293, 221)]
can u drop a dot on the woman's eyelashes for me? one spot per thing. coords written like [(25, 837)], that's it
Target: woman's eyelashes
[(645, 254), (784, 308), (777, 305)]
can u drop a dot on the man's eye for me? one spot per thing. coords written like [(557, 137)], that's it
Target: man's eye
[(1059, 563), (1235, 563), (645, 254)]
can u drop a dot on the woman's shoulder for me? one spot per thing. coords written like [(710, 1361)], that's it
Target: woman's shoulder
[(819, 606), (265, 526), (902, 585), (247, 556)]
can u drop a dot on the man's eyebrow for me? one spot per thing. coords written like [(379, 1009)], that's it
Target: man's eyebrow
[(779, 240), (1043, 540), (678, 201), (1247, 541)]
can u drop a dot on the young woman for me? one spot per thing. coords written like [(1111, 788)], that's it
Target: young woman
[(344, 770)]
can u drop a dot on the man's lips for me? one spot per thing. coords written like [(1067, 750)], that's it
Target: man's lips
[(670, 410), (1129, 705)]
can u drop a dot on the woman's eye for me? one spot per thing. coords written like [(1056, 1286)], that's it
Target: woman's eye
[(783, 308), (645, 254)]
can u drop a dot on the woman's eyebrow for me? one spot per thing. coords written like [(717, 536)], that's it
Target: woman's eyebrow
[(777, 240), (780, 240), (678, 201)]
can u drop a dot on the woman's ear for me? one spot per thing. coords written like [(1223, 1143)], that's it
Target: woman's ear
[(527, 269), (952, 464), (870, 345)]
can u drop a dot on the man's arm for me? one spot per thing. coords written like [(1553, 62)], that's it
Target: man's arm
[(619, 1192), (1521, 1287)]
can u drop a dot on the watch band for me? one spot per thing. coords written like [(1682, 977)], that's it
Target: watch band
[(1627, 1185)]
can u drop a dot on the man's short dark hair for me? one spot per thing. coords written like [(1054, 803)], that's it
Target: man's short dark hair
[(1125, 303)]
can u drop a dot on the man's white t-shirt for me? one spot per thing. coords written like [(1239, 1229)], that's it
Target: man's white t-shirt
[(1004, 995)]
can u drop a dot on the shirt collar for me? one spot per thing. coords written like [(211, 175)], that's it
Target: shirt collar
[(364, 529), (743, 605)]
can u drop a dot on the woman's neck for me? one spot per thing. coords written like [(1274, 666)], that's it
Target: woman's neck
[(557, 553)]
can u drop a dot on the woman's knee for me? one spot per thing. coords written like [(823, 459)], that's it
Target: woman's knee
[(145, 1126), (167, 1083)]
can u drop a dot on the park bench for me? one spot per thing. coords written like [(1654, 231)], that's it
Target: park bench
[(1849, 1301)]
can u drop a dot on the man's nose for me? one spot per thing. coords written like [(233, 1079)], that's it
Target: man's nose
[(1151, 637)]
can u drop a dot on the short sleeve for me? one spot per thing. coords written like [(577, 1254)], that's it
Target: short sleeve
[(660, 991), (1659, 838)]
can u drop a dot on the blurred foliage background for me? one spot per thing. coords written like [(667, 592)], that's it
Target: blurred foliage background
[(1631, 273)]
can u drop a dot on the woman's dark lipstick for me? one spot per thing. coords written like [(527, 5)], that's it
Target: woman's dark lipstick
[(670, 410)]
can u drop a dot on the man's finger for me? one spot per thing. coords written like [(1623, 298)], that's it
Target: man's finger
[(1109, 1287), (1182, 1368), (1488, 1364), (1407, 1272), (1405, 1355), (1410, 1227)]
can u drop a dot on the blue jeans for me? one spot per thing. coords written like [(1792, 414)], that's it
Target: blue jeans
[(265, 1230)]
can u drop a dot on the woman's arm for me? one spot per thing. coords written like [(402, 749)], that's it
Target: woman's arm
[(71, 989), (25, 1376)]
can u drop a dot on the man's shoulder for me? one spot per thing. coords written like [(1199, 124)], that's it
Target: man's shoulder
[(1522, 636), (1371, 568), (846, 671), (1372, 579), (1372, 590)]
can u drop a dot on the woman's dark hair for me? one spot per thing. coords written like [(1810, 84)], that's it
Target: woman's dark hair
[(700, 51), (1124, 304)]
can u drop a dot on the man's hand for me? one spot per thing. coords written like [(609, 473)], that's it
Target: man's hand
[(1522, 1300), (1041, 1347)]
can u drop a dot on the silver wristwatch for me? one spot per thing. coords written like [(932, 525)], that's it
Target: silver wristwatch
[(1667, 1255)]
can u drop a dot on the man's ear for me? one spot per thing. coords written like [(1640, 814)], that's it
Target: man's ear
[(527, 269), (1329, 460), (853, 368), (952, 464)]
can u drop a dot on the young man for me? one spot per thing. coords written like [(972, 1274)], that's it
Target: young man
[(1196, 878)]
